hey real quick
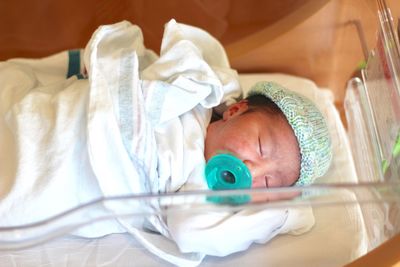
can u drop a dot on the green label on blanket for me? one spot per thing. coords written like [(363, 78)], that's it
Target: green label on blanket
[(74, 63)]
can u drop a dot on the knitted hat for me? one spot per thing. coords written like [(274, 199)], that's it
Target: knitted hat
[(308, 125)]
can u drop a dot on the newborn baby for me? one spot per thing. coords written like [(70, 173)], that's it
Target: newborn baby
[(280, 136), (283, 140)]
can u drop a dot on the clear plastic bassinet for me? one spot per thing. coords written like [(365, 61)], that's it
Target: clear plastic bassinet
[(353, 216)]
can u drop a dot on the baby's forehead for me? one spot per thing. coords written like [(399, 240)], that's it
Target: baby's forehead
[(267, 111), (287, 151), (271, 118)]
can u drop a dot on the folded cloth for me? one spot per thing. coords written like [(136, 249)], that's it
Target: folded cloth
[(222, 233), (136, 125)]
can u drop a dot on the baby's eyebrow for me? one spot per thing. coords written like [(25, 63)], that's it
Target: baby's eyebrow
[(269, 145)]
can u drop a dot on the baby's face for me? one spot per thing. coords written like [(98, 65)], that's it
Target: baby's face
[(264, 142)]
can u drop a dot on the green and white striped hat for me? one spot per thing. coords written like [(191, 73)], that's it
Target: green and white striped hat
[(308, 125)]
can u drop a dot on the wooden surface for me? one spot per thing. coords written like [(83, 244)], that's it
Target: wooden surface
[(39, 27), (386, 255), (317, 39), (326, 48)]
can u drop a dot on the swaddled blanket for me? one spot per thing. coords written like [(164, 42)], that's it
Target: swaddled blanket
[(124, 121)]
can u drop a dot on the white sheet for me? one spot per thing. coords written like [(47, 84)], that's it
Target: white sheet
[(341, 225), (118, 132)]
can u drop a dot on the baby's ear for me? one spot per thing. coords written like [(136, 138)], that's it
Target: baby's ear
[(235, 109)]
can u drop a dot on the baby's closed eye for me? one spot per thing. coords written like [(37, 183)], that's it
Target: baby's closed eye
[(260, 149)]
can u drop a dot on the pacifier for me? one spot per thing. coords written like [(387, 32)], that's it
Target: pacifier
[(225, 172)]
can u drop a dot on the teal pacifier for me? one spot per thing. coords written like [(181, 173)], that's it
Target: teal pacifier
[(225, 172)]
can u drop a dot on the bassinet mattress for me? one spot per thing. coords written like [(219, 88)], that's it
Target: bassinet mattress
[(337, 237)]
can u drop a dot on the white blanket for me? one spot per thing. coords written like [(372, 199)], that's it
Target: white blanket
[(136, 125)]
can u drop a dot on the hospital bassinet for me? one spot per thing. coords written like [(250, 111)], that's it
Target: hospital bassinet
[(350, 48)]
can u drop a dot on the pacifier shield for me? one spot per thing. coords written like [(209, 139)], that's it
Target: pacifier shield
[(225, 172)]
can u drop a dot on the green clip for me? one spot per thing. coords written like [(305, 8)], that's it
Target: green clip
[(385, 166), (396, 148)]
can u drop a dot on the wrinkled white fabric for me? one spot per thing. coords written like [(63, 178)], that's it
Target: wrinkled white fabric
[(136, 125), (223, 233)]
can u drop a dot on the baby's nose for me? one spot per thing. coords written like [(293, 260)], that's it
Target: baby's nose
[(253, 167), (257, 174)]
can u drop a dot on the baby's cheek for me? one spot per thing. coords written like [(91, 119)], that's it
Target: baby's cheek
[(258, 183), (240, 149), (275, 182)]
